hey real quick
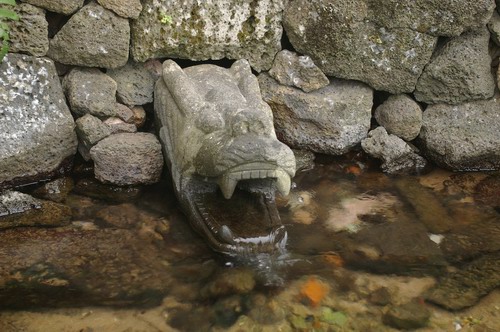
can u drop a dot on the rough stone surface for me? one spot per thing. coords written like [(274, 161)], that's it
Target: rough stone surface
[(209, 30), (463, 137), (300, 71), (117, 125), (93, 37), (127, 159), (65, 7), (21, 210), (124, 113), (90, 91), (91, 130), (344, 39), (434, 17), (401, 116), (29, 34), (459, 71), (135, 84), (408, 316), (124, 8), (465, 287), (396, 154), (139, 116), (56, 190), (36, 127), (330, 120), (494, 27)]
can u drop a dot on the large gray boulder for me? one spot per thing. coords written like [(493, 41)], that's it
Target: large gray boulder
[(400, 115), (463, 137), (330, 120), (93, 37), (128, 159), (459, 71), (397, 156), (135, 84), (65, 7), (209, 30), (345, 40), (90, 91), (29, 34), (37, 132), (434, 17)]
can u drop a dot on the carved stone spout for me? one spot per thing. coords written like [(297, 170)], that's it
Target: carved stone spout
[(221, 148)]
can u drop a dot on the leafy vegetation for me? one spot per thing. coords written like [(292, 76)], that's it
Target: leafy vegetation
[(6, 14)]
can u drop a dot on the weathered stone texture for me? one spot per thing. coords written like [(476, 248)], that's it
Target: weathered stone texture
[(90, 91), (30, 33), (459, 71), (135, 84), (91, 130), (204, 30), (300, 71), (344, 39), (36, 127), (128, 159), (400, 115), (397, 155), (123, 8), (465, 136), (93, 37), (330, 120), (65, 7)]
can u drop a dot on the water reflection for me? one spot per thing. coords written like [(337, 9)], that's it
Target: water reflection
[(438, 232)]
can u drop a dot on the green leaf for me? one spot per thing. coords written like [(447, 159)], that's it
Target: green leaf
[(4, 49), (333, 317), (8, 2), (6, 13)]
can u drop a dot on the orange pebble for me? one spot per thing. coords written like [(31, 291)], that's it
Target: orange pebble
[(314, 291), (353, 169), (333, 259)]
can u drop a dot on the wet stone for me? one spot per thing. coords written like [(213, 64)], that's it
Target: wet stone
[(487, 191), (229, 282), (107, 192), (304, 160), (468, 285), (18, 209), (408, 316), (56, 190), (74, 267)]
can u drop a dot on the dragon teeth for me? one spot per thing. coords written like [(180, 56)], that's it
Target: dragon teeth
[(283, 182), (227, 185)]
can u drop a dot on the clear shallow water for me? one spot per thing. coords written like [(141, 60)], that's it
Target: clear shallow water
[(360, 244)]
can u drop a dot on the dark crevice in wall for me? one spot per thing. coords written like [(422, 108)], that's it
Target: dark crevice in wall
[(56, 22)]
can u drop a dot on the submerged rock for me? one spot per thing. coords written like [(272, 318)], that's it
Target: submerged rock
[(290, 69), (465, 287), (37, 137), (397, 155), (56, 190), (93, 37), (408, 316), (459, 71), (107, 192), (330, 120), (18, 209), (30, 33), (209, 30), (74, 267), (230, 282), (128, 159), (463, 137)]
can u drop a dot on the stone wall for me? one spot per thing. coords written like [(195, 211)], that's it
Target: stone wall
[(430, 64)]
